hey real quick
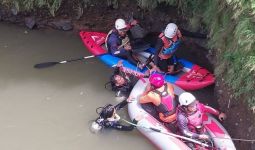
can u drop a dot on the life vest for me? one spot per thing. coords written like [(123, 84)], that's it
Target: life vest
[(169, 46), (195, 121), (106, 39), (122, 41), (167, 106)]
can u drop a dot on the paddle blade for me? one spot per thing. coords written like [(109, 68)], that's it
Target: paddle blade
[(45, 65)]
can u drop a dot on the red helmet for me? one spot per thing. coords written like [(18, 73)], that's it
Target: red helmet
[(157, 80)]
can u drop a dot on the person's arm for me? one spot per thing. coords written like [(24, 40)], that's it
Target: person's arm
[(208, 109), (158, 48), (116, 70), (145, 99), (113, 45), (121, 127), (170, 89), (179, 34), (131, 24), (222, 116)]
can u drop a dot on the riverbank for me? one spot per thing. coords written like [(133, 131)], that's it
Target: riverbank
[(240, 122)]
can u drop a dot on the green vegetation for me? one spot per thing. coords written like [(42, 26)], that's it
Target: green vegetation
[(29, 5), (230, 24)]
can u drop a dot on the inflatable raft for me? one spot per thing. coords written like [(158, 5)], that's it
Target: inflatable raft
[(221, 139), (192, 77)]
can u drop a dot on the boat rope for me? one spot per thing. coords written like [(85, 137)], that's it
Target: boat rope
[(169, 134), (236, 139)]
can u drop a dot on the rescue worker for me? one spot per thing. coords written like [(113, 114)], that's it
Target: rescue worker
[(118, 43), (108, 118), (161, 94), (167, 44), (189, 118)]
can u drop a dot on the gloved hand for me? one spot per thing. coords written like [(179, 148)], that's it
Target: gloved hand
[(204, 137), (133, 22), (222, 116)]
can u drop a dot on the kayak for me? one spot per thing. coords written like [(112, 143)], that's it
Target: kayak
[(192, 76), (221, 138)]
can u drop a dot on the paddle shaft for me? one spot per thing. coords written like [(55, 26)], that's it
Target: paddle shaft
[(71, 60), (169, 134)]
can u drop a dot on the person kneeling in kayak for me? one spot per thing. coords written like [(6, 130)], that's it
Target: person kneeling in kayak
[(167, 44), (118, 42), (108, 118), (189, 118), (161, 94)]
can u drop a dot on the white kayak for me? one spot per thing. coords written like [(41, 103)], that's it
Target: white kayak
[(221, 138)]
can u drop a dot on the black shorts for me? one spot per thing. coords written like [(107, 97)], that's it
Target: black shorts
[(164, 63)]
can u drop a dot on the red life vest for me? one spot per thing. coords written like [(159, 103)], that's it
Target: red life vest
[(195, 120), (169, 46)]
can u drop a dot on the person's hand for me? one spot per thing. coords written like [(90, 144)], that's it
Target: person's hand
[(130, 99), (154, 68), (139, 117), (141, 66), (222, 116), (204, 137), (120, 63), (127, 47), (133, 22)]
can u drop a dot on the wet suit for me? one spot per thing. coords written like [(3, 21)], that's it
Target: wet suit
[(118, 126), (126, 88)]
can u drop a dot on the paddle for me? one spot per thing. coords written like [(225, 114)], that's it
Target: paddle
[(169, 134), (50, 64)]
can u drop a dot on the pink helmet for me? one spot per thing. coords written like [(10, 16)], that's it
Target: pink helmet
[(157, 80)]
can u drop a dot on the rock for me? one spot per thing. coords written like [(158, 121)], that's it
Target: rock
[(220, 91), (14, 11), (250, 129), (79, 13), (30, 22), (236, 124), (62, 24)]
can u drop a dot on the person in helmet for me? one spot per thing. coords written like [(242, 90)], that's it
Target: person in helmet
[(167, 43), (108, 118), (118, 43), (189, 118), (161, 95)]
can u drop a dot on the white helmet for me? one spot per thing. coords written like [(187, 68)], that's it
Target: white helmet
[(171, 30), (186, 98), (120, 24)]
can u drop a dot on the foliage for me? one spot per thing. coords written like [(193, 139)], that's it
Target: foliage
[(231, 26), (28, 5)]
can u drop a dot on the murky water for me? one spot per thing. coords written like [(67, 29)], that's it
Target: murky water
[(50, 109)]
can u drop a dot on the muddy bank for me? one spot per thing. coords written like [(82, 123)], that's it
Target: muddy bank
[(240, 122)]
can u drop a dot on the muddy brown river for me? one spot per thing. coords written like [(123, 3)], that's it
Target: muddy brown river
[(51, 108)]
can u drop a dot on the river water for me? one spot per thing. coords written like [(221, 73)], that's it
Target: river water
[(51, 108)]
